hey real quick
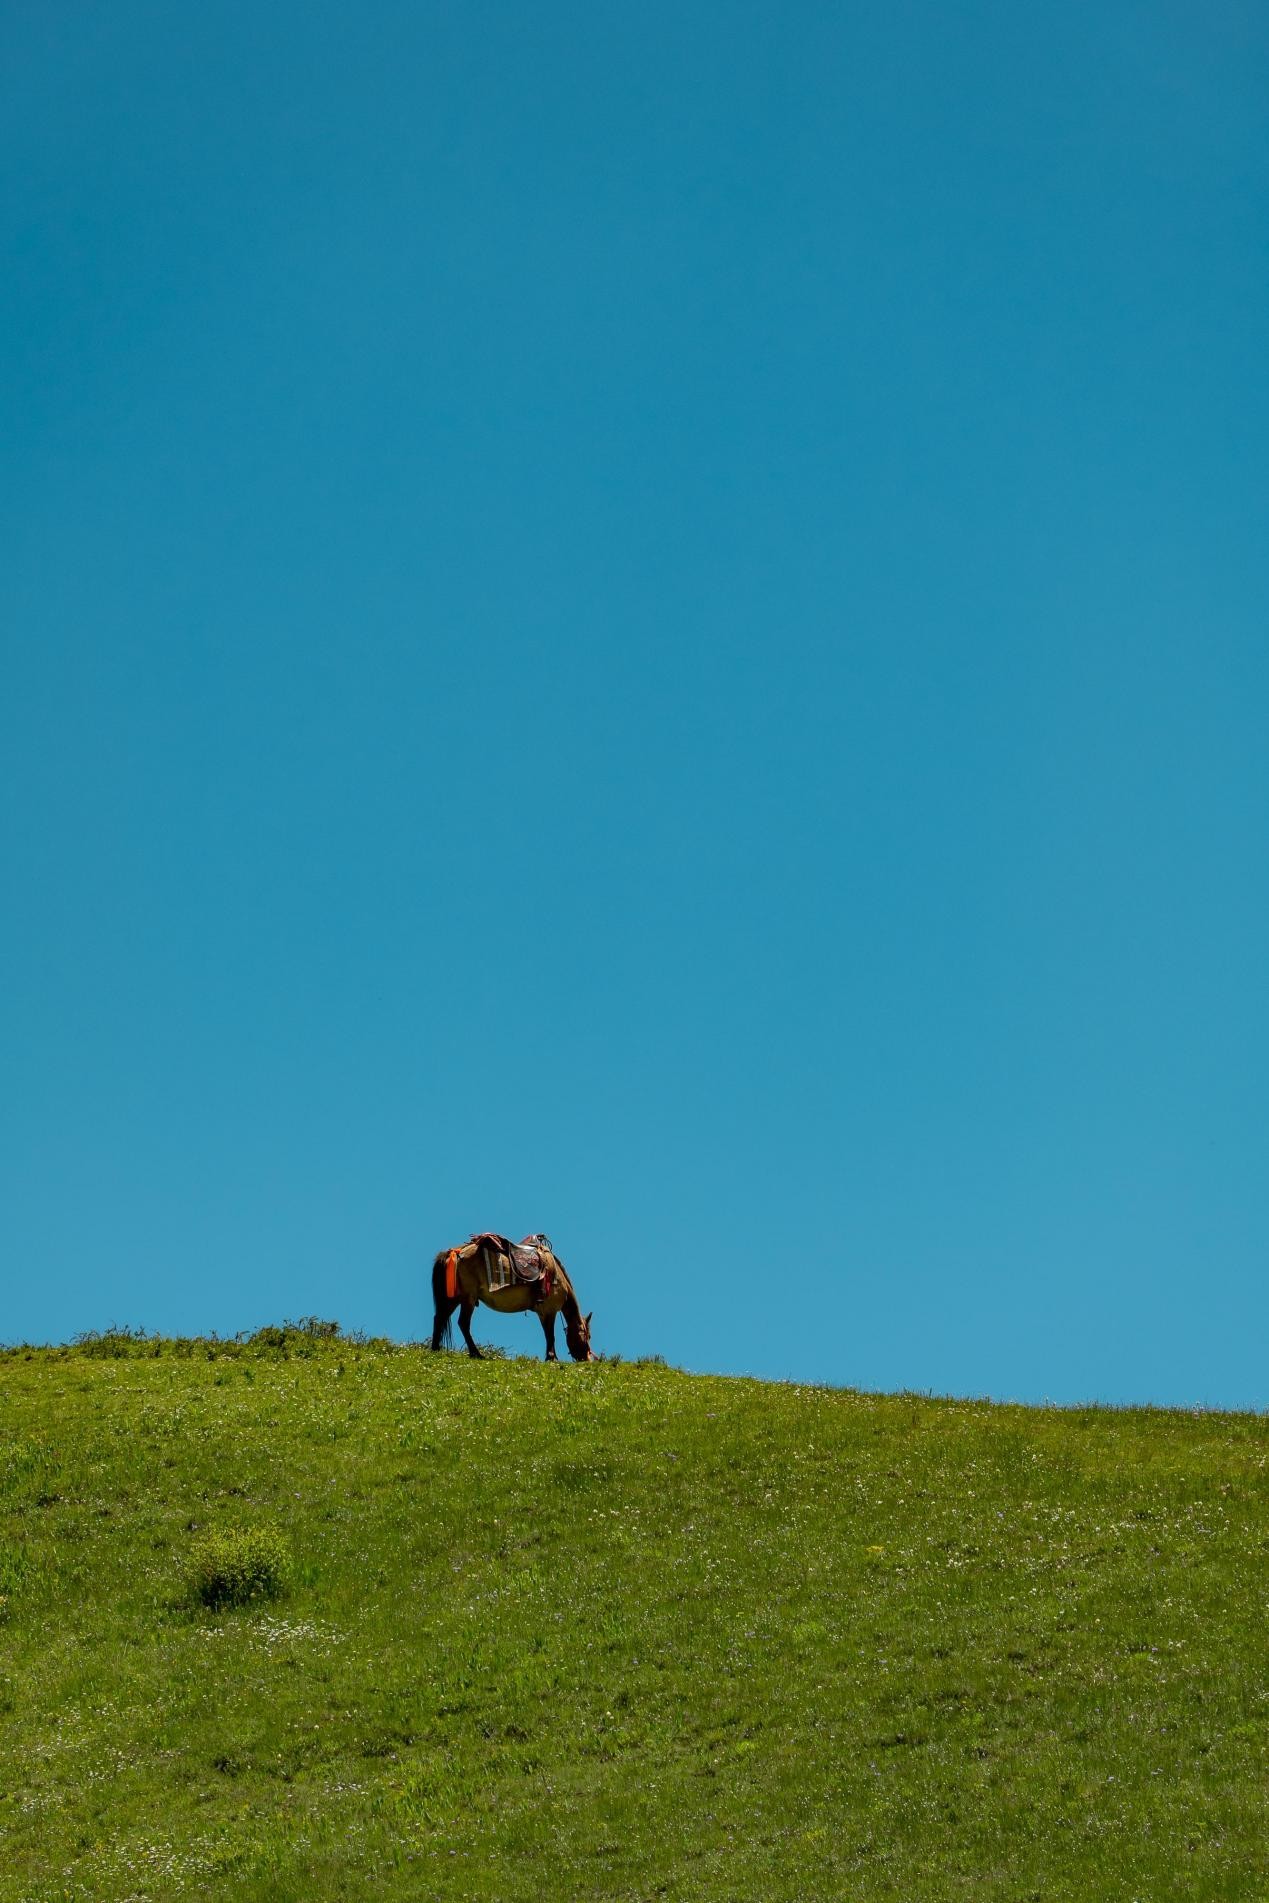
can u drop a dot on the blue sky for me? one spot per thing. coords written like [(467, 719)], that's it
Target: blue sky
[(647, 622)]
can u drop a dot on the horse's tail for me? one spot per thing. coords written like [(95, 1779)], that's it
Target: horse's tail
[(442, 1302)]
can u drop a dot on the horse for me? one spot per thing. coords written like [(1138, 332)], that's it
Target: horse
[(470, 1279)]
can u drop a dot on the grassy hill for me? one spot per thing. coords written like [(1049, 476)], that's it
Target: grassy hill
[(615, 1631)]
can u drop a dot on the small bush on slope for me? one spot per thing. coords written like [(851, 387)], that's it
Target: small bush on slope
[(232, 1566)]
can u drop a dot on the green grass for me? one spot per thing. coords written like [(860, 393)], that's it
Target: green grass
[(615, 1631)]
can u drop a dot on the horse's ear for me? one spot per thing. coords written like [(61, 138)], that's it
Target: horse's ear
[(588, 1318)]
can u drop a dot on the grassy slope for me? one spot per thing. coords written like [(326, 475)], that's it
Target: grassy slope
[(620, 1632)]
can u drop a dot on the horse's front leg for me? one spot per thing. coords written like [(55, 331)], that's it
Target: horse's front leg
[(464, 1322), (548, 1329)]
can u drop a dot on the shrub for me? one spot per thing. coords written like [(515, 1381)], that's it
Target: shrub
[(299, 1338), (235, 1565), (114, 1343)]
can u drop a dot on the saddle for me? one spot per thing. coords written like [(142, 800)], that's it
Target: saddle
[(531, 1263)]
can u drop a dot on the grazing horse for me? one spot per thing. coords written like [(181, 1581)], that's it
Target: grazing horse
[(469, 1278)]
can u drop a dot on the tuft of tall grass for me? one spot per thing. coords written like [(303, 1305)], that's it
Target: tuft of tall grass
[(13, 1569), (234, 1565)]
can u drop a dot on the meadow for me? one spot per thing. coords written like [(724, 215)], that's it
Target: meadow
[(614, 1631)]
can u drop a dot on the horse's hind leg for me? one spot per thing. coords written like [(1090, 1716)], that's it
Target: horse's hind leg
[(464, 1323), (444, 1313), (548, 1329)]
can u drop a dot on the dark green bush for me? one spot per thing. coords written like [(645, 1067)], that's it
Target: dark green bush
[(234, 1565), (114, 1343), (299, 1338)]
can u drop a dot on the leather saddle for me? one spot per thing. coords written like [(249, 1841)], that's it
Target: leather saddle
[(531, 1262)]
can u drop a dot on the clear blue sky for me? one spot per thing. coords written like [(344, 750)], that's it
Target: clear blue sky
[(649, 622)]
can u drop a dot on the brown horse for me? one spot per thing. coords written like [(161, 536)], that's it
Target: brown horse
[(471, 1282)]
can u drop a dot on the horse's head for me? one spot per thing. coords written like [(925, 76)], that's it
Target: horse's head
[(577, 1334)]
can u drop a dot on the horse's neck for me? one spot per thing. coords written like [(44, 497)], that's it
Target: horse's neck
[(571, 1311)]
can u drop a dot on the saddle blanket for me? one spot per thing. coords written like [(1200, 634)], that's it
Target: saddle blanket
[(531, 1262)]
